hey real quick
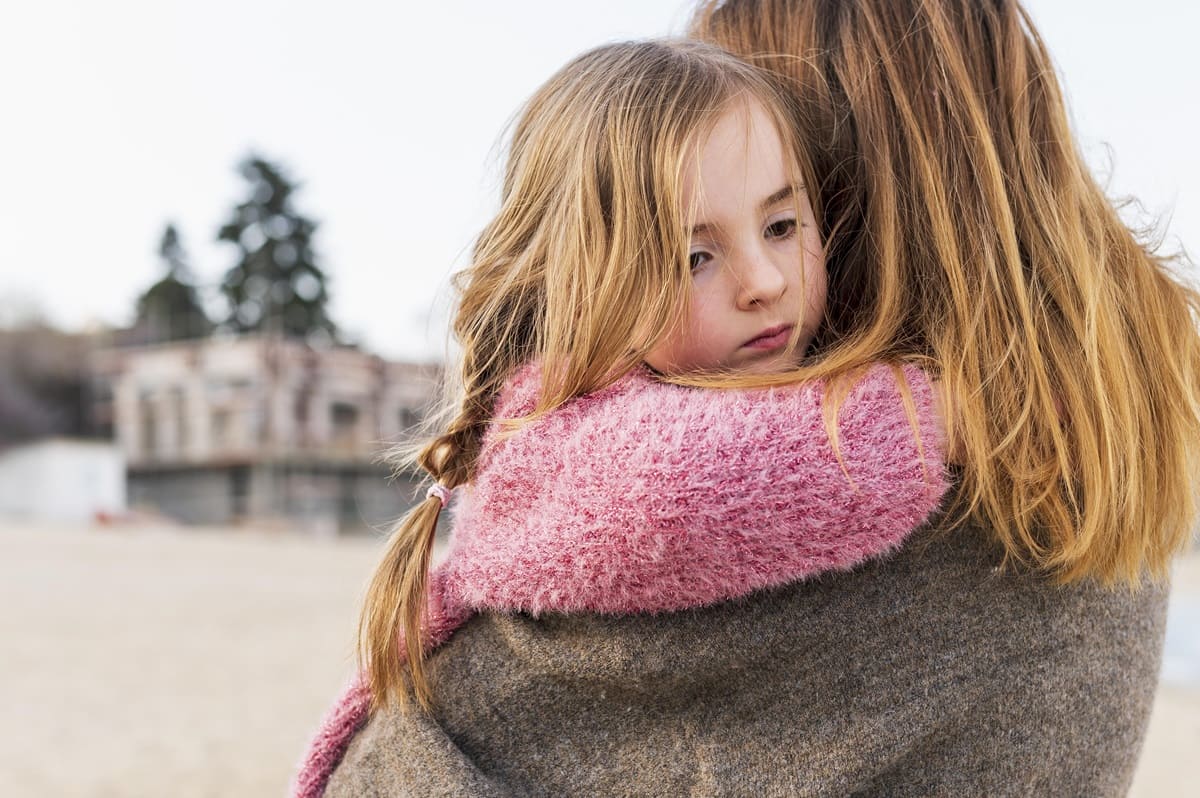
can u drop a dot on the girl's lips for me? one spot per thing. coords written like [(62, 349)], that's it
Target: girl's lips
[(771, 339)]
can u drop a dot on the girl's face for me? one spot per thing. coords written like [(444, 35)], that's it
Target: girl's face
[(758, 270)]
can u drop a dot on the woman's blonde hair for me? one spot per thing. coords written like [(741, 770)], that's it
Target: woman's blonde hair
[(963, 226), (584, 268)]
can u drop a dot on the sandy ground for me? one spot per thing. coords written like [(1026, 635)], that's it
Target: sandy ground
[(156, 661)]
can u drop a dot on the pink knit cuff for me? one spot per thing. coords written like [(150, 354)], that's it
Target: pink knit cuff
[(343, 720)]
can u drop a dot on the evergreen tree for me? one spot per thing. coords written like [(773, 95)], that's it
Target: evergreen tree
[(276, 285), (170, 310)]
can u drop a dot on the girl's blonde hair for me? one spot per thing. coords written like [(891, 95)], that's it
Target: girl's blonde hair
[(584, 268), (964, 227)]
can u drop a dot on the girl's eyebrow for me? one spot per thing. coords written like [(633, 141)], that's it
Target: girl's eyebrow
[(774, 199), (779, 196)]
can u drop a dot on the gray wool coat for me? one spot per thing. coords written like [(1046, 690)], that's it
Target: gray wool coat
[(930, 672)]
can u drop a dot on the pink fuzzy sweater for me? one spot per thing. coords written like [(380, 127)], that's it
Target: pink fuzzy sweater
[(649, 497)]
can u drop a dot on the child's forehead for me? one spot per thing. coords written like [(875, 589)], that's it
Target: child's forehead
[(739, 171), (743, 135), (744, 120)]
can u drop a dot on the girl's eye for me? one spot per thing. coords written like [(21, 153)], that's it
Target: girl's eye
[(784, 228), (697, 260)]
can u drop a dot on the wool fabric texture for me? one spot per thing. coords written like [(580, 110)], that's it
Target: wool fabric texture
[(646, 497), (924, 673)]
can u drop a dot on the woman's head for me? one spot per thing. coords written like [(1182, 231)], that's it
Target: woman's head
[(964, 230), (941, 143), (653, 210)]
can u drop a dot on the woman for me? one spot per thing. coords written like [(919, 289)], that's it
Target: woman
[(1001, 651)]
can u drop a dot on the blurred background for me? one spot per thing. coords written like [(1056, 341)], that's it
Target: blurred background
[(226, 236)]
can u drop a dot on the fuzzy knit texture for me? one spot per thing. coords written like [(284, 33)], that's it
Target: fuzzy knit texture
[(924, 673), (646, 497)]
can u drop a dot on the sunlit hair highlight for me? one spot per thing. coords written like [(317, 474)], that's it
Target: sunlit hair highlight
[(584, 269), (965, 231)]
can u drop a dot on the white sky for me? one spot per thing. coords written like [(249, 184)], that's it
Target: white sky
[(122, 115)]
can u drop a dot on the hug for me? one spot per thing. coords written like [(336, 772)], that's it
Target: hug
[(821, 430)]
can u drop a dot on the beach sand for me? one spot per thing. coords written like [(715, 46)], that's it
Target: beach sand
[(152, 661)]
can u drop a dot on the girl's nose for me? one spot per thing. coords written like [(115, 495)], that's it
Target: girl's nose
[(760, 281)]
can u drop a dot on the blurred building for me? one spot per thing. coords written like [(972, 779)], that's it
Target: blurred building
[(61, 480), (264, 429)]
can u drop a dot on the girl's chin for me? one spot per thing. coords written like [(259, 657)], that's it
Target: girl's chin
[(772, 364)]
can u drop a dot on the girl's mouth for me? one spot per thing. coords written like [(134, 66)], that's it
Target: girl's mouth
[(771, 338)]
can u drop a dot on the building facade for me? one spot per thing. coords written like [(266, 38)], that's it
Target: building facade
[(263, 429)]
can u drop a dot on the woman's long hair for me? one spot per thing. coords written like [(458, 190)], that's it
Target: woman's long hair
[(963, 226), (584, 268)]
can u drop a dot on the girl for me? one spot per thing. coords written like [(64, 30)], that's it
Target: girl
[(963, 224), (654, 226)]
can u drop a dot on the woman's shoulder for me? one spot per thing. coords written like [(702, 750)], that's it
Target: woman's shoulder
[(936, 670)]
